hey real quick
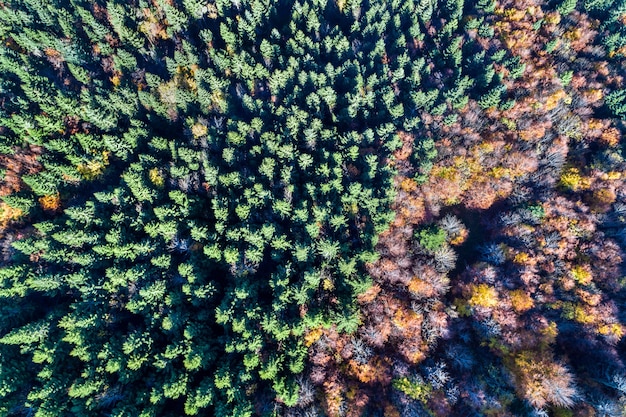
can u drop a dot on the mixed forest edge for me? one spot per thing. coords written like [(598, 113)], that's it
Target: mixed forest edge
[(312, 208)]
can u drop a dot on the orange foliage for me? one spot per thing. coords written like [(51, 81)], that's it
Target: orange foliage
[(413, 350), (521, 301), (588, 297), (421, 288), (334, 393), (369, 295), (408, 185), (407, 320), (391, 411), (610, 137), (375, 370), (476, 168), (50, 202)]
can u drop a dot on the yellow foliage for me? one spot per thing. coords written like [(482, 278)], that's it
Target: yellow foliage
[(615, 329), (550, 332), (521, 258), (521, 301), (610, 137), (155, 177), (613, 175), (217, 99), (458, 240), (313, 336), (594, 124), (415, 389), (352, 392), (483, 296), (94, 168), (573, 35), (500, 172), (198, 130), (620, 51), (542, 380), (185, 77), (603, 196), (581, 274), (211, 11), (514, 15), (571, 179), (553, 18), (577, 313), (451, 201), (532, 134), (368, 372), (485, 147), (8, 213), (508, 123), (90, 170), (448, 173), (553, 100), (116, 79), (593, 95)]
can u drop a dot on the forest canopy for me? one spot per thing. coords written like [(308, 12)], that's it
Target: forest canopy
[(312, 208)]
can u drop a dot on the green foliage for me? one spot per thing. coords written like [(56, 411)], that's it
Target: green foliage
[(616, 102), (224, 170), (566, 78), (537, 212), (566, 7), (432, 238), (414, 388), (549, 48), (492, 98)]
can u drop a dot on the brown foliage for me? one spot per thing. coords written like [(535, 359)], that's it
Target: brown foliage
[(542, 380), (22, 162)]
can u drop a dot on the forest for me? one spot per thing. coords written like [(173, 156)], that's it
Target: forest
[(302, 208)]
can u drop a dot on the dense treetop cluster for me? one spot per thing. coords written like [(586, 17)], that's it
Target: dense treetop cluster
[(312, 208)]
